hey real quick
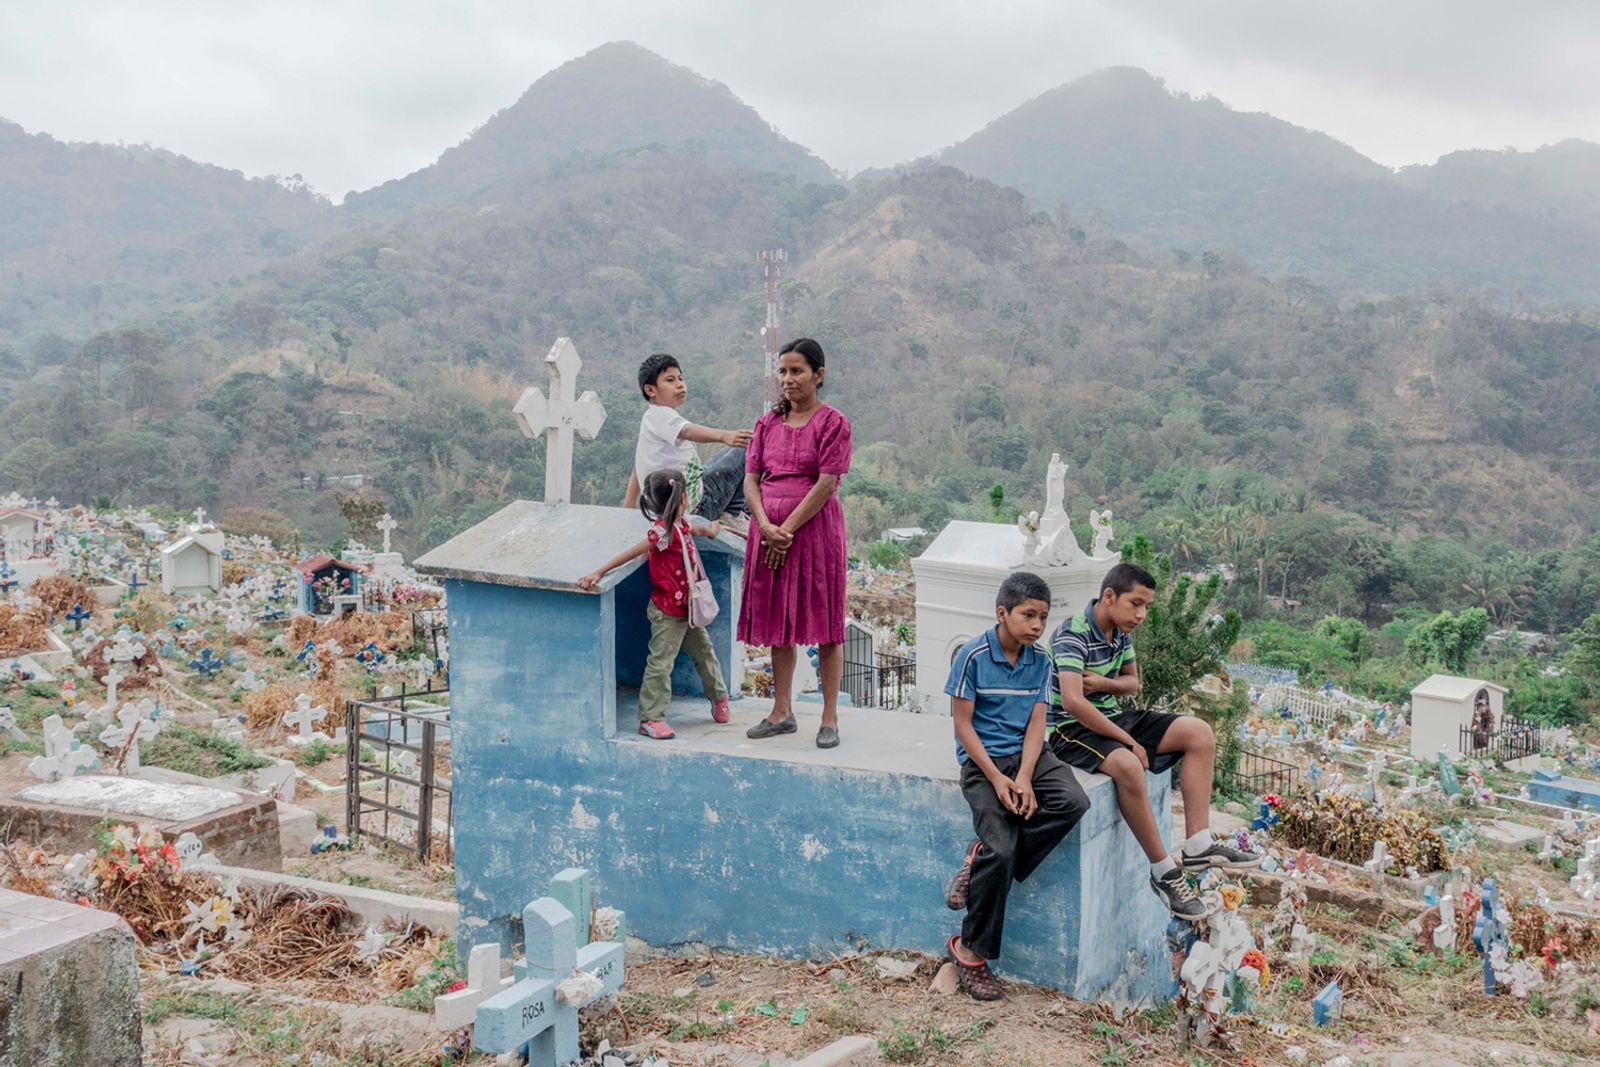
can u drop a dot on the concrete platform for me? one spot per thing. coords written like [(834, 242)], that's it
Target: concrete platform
[(69, 985)]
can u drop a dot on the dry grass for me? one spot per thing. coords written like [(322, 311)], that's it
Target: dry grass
[(58, 592), (389, 630), (23, 631), (265, 707)]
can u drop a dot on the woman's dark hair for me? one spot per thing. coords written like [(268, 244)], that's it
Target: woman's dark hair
[(660, 493), (808, 350)]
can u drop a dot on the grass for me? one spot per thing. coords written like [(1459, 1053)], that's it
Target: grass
[(318, 751), (183, 748), (920, 1039)]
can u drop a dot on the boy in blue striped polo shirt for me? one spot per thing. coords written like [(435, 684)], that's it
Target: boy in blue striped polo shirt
[(1094, 665), (1024, 800)]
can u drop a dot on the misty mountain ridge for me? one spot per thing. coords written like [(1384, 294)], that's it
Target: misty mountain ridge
[(617, 97), (1177, 172)]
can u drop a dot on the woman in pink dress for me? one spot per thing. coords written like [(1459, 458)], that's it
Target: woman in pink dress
[(794, 563)]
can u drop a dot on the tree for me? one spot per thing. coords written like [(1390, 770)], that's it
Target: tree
[(1448, 639), (1182, 639), (1584, 657), (1349, 634)]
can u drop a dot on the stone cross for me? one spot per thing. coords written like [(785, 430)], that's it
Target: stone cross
[(387, 525), (301, 717), (134, 721), (533, 1011), (114, 677), (199, 516), (1379, 863), (1489, 933), (63, 755), (558, 416)]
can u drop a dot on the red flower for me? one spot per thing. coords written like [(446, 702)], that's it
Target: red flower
[(1553, 952)]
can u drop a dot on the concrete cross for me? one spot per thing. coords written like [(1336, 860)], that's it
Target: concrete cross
[(387, 525), (114, 677), (530, 1012), (137, 721), (301, 717), (452, 1011), (63, 755), (558, 416), (199, 516), (77, 615)]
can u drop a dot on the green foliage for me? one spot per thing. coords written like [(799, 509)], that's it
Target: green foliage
[(1583, 656), (431, 983), (317, 752), (1448, 639), (1180, 641), (1349, 634), (916, 1040), (891, 554), (182, 748)]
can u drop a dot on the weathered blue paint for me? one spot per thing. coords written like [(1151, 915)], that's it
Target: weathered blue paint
[(1553, 787), (632, 595), (750, 854)]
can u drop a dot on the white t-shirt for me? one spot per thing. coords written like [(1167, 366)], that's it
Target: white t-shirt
[(661, 445)]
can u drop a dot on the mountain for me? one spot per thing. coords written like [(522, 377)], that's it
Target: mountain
[(1560, 180), (619, 96), (1193, 175), (91, 231)]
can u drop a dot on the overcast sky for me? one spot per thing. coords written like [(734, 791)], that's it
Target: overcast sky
[(349, 93)]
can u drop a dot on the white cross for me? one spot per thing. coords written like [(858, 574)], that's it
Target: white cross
[(114, 677), (301, 717), (62, 753), (135, 721), (558, 416), (452, 1011), (386, 524), (199, 516)]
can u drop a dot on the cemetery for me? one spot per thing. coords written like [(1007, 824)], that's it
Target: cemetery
[(334, 806)]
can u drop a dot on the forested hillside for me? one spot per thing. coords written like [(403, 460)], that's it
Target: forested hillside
[(1180, 173), (92, 232), (1423, 448)]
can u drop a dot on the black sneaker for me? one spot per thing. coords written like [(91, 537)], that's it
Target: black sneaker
[(955, 890), (1219, 855), (1178, 895)]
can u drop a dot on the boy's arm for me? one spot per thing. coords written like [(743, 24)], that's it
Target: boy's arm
[(1092, 718), (1125, 684), (707, 435), (592, 579), (630, 499), (1032, 745), (1005, 789), (700, 528)]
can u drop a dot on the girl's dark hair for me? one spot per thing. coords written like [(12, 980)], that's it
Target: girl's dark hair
[(811, 352), (660, 493)]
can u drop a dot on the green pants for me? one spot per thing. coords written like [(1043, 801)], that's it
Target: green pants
[(669, 633)]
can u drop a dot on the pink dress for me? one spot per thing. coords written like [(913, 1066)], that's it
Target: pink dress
[(802, 602)]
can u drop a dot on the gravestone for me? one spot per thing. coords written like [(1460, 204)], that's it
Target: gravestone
[(301, 719), (559, 416), (960, 572)]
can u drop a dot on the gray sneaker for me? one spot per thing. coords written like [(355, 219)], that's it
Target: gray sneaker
[(1178, 895), (1220, 855), (768, 728)]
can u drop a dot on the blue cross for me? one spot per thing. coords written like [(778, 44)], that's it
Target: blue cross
[(77, 615), (206, 663), (370, 656), (7, 575), (270, 614), (529, 1013), (134, 584), (277, 590), (179, 621), (1488, 932), (307, 653)]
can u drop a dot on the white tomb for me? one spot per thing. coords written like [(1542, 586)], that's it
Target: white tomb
[(193, 562), (1443, 705), (21, 530), (961, 571)]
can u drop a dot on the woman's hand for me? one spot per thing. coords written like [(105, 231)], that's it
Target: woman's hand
[(775, 555), (776, 535)]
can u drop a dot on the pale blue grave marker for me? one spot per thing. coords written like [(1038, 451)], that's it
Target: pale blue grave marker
[(530, 1012), (575, 890)]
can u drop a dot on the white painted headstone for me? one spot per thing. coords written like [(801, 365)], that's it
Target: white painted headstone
[(63, 755), (301, 719)]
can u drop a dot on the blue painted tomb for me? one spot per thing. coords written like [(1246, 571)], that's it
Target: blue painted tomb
[(1563, 790), (770, 846)]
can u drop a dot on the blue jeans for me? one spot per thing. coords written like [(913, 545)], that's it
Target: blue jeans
[(722, 484)]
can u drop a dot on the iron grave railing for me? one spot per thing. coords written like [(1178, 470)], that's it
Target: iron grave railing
[(398, 748), (1515, 739), (428, 626), (1257, 775)]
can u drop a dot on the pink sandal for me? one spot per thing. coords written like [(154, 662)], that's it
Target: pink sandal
[(657, 729), (719, 710)]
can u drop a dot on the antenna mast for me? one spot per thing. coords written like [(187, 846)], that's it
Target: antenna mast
[(769, 333)]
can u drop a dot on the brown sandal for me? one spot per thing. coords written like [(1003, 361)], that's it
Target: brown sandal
[(974, 979)]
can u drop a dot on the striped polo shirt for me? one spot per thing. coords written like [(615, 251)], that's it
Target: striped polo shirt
[(1003, 695), (1080, 646)]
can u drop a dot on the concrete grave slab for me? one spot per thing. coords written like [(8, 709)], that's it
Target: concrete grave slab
[(239, 828), (1503, 833)]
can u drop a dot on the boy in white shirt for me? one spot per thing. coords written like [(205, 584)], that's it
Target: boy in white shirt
[(667, 440)]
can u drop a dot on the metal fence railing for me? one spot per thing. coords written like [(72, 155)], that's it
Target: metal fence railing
[(405, 751), (1515, 739), (429, 626), (1257, 775)]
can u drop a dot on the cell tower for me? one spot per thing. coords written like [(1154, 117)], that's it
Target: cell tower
[(769, 333)]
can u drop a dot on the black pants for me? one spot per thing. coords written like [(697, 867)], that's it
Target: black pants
[(1013, 847), (722, 484)]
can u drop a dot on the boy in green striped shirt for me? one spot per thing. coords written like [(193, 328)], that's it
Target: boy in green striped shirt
[(1094, 665)]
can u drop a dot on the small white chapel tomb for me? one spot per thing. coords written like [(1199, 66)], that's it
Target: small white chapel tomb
[(21, 529), (1444, 705), (959, 574), (193, 563)]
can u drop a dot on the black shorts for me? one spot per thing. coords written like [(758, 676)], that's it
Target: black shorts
[(1079, 746)]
